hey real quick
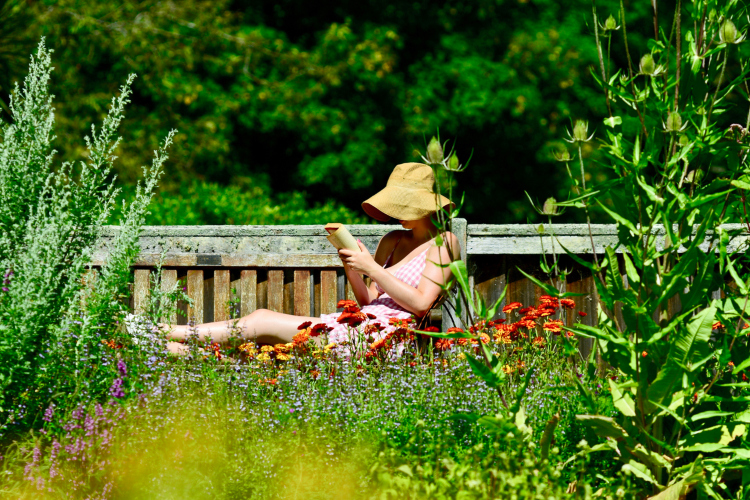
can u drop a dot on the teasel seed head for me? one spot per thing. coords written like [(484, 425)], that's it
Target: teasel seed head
[(728, 32), (434, 151), (550, 206), (674, 122)]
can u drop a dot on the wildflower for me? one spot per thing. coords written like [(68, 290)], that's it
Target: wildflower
[(570, 334), (264, 356), (315, 374), (319, 329), (122, 368), (580, 131), (550, 207), (731, 364), (116, 390), (304, 325), (434, 151), (302, 337), (644, 354), (267, 348), (508, 369), (463, 341), (554, 326), (545, 312), (283, 357), (443, 344), (511, 307), (718, 326), (562, 155), (728, 33), (271, 381), (610, 24), (539, 342), (582, 314), (568, 303), (279, 348), (346, 303), (527, 323)]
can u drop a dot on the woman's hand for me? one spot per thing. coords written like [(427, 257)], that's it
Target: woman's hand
[(361, 262)]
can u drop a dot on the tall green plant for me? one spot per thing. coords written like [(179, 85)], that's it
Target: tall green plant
[(679, 176), (52, 314)]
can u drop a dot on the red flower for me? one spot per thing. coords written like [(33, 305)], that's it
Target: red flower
[(302, 337), (718, 326), (455, 329), (304, 325), (539, 342), (371, 316), (399, 323), (353, 319), (346, 303), (527, 323), (526, 310), (582, 314), (319, 329), (568, 303), (511, 307), (545, 311), (373, 328), (432, 329)]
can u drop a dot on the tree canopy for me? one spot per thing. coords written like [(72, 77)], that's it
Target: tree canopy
[(314, 103)]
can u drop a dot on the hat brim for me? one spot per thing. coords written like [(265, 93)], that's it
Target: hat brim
[(402, 203)]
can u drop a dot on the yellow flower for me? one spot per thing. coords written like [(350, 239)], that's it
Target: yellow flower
[(267, 348), (264, 356), (283, 357)]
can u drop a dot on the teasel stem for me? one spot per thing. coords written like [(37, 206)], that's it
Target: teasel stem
[(601, 58), (656, 19), (630, 68), (678, 62)]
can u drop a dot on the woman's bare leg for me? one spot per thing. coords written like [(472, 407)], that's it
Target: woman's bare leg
[(262, 326)]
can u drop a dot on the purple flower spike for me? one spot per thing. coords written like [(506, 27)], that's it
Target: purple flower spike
[(5, 289), (116, 389), (122, 368)]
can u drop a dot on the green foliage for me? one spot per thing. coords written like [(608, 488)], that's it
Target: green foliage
[(326, 99), (678, 166), (53, 313), (201, 202)]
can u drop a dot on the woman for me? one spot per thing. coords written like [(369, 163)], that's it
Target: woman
[(405, 272)]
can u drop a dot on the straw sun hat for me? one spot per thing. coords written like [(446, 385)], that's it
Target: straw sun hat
[(408, 195)]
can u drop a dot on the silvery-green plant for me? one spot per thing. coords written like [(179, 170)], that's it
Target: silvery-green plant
[(53, 311)]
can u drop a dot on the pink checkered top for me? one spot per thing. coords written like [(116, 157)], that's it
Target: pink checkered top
[(383, 307)]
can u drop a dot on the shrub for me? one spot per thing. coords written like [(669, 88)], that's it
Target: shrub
[(55, 313)]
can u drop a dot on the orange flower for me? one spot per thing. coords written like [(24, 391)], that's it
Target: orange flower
[(477, 326), (539, 342), (352, 318), (281, 348), (502, 336), (545, 311), (399, 323), (270, 381), (554, 326), (373, 328), (718, 326), (511, 307), (379, 344), (432, 329), (527, 323), (455, 329), (568, 303), (315, 374), (346, 303), (644, 354), (443, 344), (302, 337), (462, 341)]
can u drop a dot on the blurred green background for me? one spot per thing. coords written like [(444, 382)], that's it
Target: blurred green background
[(292, 111)]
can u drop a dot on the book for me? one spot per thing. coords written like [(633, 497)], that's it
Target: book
[(340, 237)]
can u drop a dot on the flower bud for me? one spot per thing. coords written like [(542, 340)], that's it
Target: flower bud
[(580, 131), (728, 32), (550, 207), (563, 155), (611, 24), (453, 164), (674, 122), (647, 65), (434, 151)]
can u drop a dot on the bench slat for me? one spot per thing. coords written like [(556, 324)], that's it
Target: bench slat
[(248, 291), (141, 293), (195, 292), (302, 293), (328, 286), (276, 290), (221, 295)]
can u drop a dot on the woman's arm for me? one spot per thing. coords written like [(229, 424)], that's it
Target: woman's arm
[(362, 292), (417, 300)]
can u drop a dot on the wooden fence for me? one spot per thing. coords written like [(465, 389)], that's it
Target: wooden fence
[(294, 269)]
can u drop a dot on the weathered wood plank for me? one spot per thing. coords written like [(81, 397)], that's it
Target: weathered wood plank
[(248, 291), (288, 291), (141, 291), (168, 282), (195, 293), (276, 290), (302, 293), (328, 287), (221, 294)]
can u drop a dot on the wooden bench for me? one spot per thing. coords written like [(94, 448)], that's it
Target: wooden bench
[(294, 269)]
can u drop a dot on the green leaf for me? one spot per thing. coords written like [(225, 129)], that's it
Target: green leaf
[(618, 218), (639, 470), (650, 191), (458, 268), (622, 401), (673, 492), (740, 184), (491, 377), (741, 366), (713, 438), (604, 426), (613, 121), (549, 289)]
